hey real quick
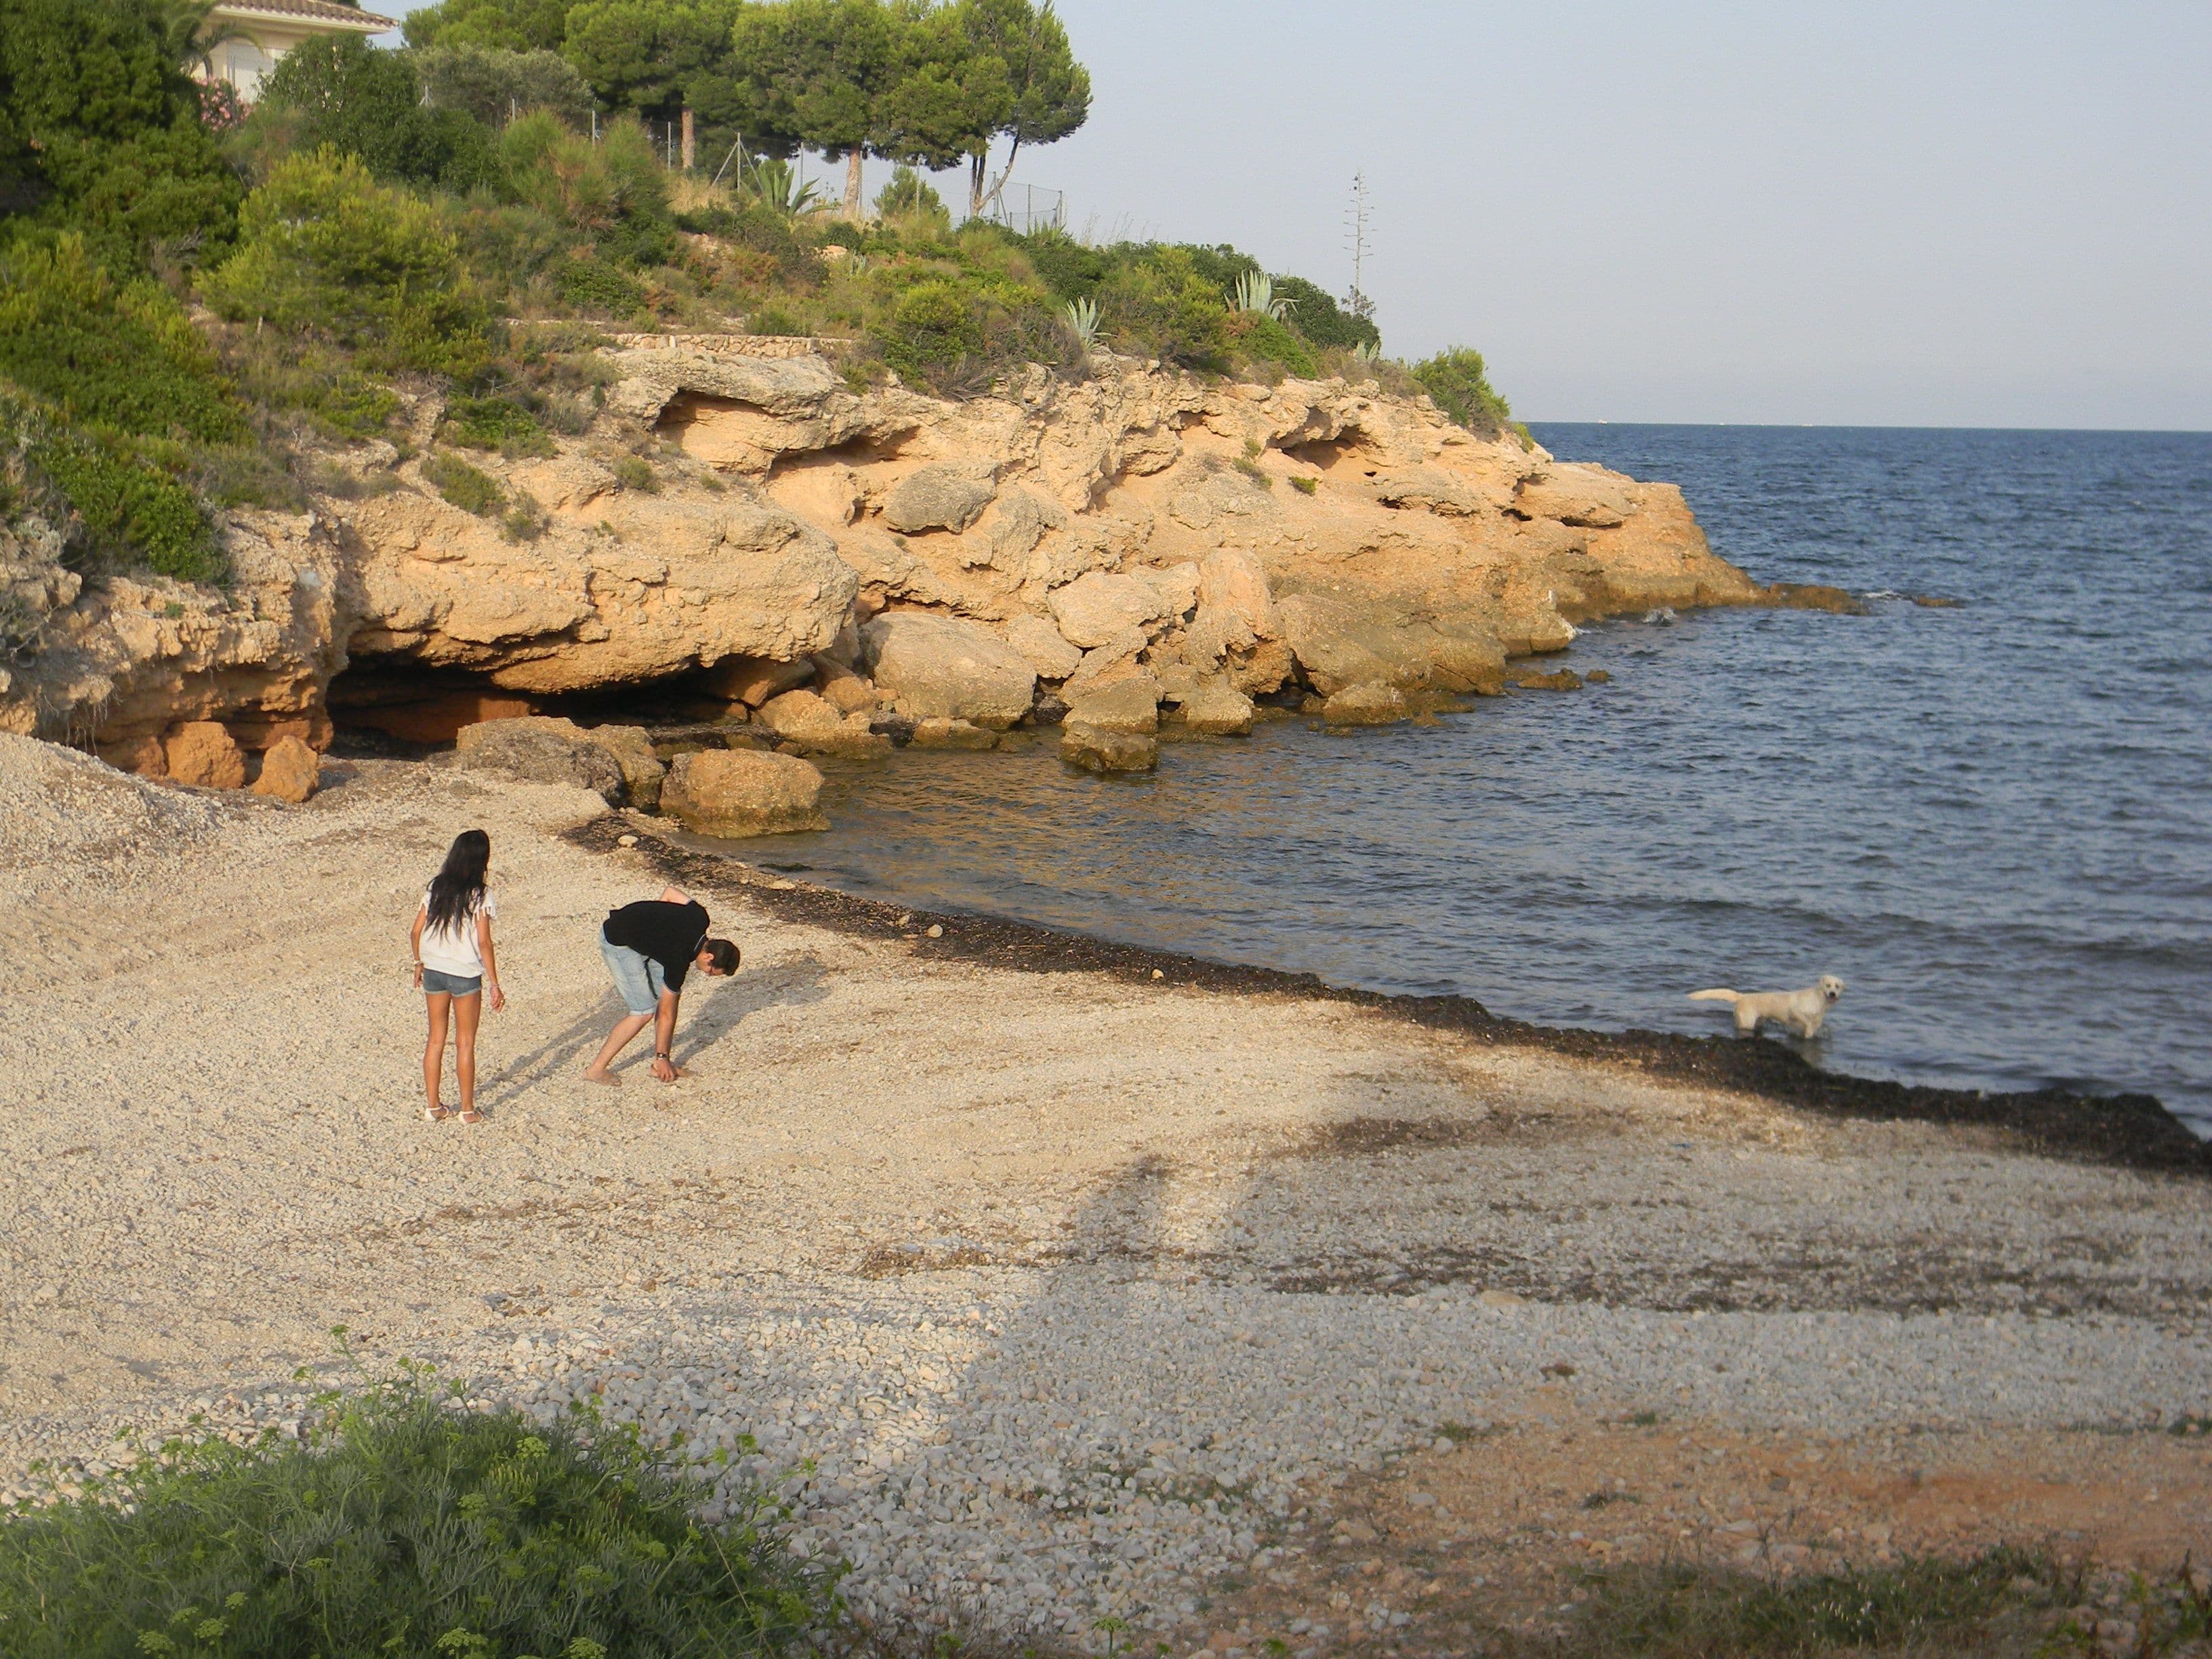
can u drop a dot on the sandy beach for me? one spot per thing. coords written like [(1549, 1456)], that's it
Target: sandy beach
[(1083, 1292)]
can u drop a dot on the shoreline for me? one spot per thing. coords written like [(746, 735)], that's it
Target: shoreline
[(1044, 1289), (2127, 1130)]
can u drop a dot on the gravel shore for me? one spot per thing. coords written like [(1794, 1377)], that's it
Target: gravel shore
[(1046, 1295)]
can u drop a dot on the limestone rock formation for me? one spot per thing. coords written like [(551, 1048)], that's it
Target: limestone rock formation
[(1215, 708), (1373, 702), (1130, 705), (948, 668), (1137, 524), (743, 792)]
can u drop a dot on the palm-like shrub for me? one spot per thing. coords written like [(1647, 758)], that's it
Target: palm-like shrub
[(1255, 293)]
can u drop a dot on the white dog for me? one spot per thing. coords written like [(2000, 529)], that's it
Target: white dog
[(1800, 1010)]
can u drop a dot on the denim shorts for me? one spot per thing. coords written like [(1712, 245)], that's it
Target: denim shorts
[(435, 984), (637, 976)]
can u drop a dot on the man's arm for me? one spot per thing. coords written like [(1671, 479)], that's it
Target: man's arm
[(673, 895), (664, 1036)]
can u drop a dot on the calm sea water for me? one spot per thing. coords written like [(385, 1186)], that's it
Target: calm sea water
[(1995, 822)]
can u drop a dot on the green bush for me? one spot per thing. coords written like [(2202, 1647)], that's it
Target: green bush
[(464, 486), (1065, 266), (1256, 336), (909, 195), (1320, 320), (343, 93), (132, 511), (1457, 380), (934, 328), (635, 472), (614, 191), (594, 286), (495, 423), (324, 248), (100, 132), (1162, 304), (407, 1526), (124, 357)]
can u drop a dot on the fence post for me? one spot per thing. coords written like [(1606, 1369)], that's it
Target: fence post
[(690, 150)]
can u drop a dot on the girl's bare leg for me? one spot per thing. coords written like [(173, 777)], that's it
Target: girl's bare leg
[(467, 1011), (433, 1052)]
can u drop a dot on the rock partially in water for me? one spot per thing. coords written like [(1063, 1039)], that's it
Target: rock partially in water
[(1043, 646), (1559, 679), (1216, 709), (1130, 705), (1099, 606), (952, 734), (1096, 750), (743, 792), (1372, 703)]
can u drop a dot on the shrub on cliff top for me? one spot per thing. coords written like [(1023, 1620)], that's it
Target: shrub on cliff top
[(1457, 380), (406, 1525)]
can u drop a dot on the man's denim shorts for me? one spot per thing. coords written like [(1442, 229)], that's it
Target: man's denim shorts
[(637, 976), (435, 984)]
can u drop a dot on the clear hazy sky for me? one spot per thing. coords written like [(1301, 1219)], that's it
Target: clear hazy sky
[(1943, 213)]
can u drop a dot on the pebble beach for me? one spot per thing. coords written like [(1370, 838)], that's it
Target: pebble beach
[(1042, 1297)]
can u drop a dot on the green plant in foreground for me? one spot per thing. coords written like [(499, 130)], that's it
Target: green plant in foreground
[(408, 1525), (1459, 382), (463, 486), (495, 423), (1081, 317)]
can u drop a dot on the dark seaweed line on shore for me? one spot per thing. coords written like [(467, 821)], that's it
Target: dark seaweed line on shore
[(2131, 1131)]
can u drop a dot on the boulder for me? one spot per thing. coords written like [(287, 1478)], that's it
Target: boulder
[(1130, 705), (1116, 659), (952, 734), (1341, 643), (290, 771), (1373, 704), (1097, 750), (848, 693), (628, 746), (789, 713), (1265, 667), (537, 749), (642, 768), (1177, 587), (1589, 497), (1559, 679), (204, 753), (1216, 709), (1019, 525), (1233, 596), (143, 756), (743, 792), (937, 498), (948, 668), (1043, 647), (1099, 606)]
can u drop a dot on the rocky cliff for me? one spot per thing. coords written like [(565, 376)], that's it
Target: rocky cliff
[(1177, 542)]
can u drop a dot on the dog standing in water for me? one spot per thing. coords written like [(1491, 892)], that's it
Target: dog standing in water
[(1802, 1011)]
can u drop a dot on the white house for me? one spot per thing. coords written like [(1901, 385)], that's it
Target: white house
[(259, 32)]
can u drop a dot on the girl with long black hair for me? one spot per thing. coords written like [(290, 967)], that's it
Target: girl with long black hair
[(453, 959)]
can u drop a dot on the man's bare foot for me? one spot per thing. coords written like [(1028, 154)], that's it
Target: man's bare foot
[(607, 1078)]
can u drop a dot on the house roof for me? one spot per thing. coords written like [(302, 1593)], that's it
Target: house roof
[(308, 11)]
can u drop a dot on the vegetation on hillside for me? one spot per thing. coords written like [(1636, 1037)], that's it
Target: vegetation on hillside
[(406, 1523), (195, 298)]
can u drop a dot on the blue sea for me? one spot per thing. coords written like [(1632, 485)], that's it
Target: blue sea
[(1993, 820)]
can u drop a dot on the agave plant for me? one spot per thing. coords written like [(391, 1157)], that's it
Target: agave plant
[(1081, 317), (1255, 291), (775, 182), (1368, 351)]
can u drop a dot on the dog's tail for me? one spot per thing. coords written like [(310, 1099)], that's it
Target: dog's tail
[(1716, 996)]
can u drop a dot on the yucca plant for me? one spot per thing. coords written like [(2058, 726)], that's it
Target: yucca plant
[(1081, 317), (775, 182), (1256, 292)]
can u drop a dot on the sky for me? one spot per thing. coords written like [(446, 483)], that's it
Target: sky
[(1935, 213)]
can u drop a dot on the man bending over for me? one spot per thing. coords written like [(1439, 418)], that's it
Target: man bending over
[(649, 947)]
